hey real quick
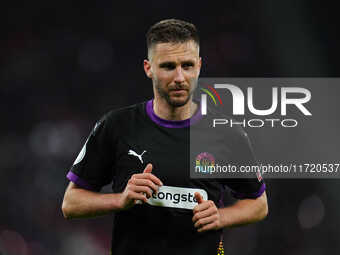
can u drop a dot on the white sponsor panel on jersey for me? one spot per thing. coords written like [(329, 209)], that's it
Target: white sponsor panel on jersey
[(176, 197)]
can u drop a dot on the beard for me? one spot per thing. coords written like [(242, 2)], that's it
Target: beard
[(173, 100)]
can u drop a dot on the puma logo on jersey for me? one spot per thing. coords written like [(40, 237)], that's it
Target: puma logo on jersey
[(133, 153)]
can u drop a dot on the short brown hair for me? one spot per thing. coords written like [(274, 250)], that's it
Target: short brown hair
[(173, 31)]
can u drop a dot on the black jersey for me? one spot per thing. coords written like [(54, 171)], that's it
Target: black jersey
[(122, 143)]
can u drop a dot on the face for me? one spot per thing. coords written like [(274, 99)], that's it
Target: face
[(174, 69)]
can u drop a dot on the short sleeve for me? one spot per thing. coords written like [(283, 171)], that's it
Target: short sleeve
[(93, 167), (252, 185)]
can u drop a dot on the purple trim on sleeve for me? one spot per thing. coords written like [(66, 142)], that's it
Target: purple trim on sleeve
[(77, 180), (171, 123), (250, 195)]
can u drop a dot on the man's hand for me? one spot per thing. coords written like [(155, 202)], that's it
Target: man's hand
[(206, 215), (139, 187)]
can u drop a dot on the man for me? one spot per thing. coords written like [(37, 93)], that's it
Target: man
[(144, 149)]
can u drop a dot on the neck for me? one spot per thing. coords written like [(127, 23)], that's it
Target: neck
[(165, 111)]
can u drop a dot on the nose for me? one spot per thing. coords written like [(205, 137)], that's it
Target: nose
[(179, 76)]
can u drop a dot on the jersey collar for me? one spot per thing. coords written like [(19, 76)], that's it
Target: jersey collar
[(172, 123)]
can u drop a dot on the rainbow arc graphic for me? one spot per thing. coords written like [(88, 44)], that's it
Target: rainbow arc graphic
[(211, 92)]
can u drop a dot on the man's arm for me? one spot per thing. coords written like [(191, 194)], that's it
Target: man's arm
[(208, 217), (244, 211), (82, 203)]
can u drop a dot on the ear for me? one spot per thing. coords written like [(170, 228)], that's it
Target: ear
[(147, 68), (199, 65)]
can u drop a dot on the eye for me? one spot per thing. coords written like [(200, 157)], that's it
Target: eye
[(168, 66), (187, 65)]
